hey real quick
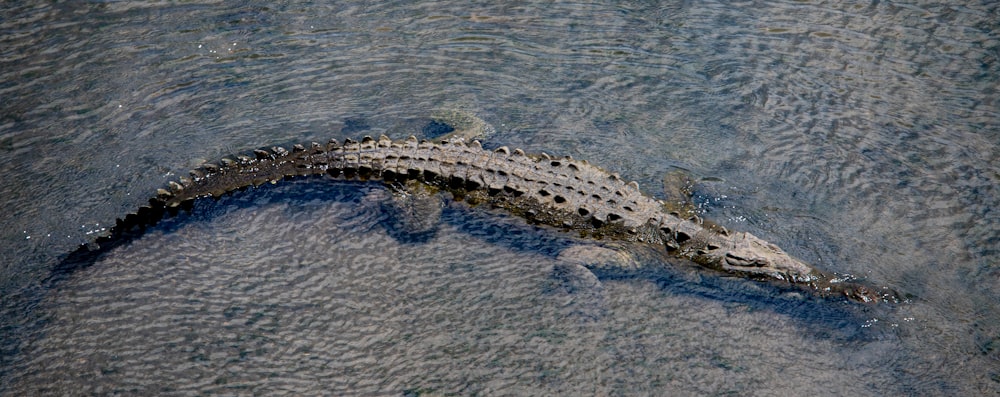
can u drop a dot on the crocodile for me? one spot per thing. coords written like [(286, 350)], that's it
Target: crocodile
[(561, 192)]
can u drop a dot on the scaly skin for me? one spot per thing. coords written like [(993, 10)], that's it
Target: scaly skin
[(569, 194)]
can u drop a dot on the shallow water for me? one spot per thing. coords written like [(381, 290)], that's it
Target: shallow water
[(862, 138)]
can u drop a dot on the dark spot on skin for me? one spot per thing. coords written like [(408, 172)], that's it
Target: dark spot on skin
[(389, 175), (682, 237), (559, 199), (471, 185), (574, 167), (629, 209), (596, 196), (555, 163), (543, 193), (614, 217), (365, 171), (262, 154), (583, 211)]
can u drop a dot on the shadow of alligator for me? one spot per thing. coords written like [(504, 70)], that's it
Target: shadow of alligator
[(675, 276)]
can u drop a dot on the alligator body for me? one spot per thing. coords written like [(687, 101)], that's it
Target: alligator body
[(561, 192)]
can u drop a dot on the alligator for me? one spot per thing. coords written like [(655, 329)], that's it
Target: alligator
[(561, 192)]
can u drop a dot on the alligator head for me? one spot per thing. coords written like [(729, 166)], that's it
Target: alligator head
[(747, 255)]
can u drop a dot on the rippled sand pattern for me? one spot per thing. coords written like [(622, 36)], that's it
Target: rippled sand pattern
[(861, 137)]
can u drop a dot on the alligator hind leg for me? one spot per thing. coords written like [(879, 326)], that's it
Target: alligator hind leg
[(412, 211)]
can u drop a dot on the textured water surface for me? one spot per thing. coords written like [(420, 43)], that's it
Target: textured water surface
[(861, 137)]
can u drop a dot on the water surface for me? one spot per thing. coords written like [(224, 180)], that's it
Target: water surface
[(861, 137)]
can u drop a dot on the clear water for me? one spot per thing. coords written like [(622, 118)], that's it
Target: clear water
[(862, 137)]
